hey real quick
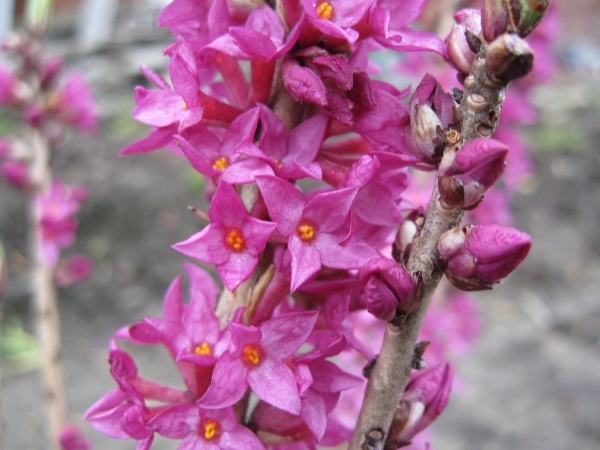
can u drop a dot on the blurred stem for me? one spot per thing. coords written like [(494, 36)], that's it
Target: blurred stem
[(44, 294), (480, 103)]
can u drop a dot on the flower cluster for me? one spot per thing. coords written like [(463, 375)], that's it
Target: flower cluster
[(308, 162), (39, 99)]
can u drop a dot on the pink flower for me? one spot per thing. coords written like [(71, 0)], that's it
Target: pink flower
[(73, 269), (204, 429), (58, 226), (314, 228), (71, 439), (233, 240), (74, 104), (255, 358)]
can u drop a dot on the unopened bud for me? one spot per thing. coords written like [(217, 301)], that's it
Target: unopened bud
[(474, 170), (516, 16), (425, 397), (427, 131), (388, 288), (478, 257), (508, 58), (460, 54), (16, 174)]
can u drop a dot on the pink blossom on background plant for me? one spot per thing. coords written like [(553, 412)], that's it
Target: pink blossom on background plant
[(73, 269), (57, 222), (72, 439), (73, 104)]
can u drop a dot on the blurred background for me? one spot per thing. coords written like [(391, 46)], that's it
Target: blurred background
[(533, 378)]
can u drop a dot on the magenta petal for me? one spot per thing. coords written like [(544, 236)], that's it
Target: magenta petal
[(314, 413), (254, 43), (284, 334), (303, 84), (240, 437), (330, 209), (245, 171), (109, 422), (284, 202), (185, 81), (207, 246), (177, 421), (256, 234), (306, 261), (228, 383), (305, 140), (352, 255), (159, 108), (173, 302), (227, 207), (272, 372), (237, 269)]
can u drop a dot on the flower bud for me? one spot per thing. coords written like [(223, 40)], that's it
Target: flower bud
[(479, 256), (423, 400), (460, 54), (388, 288), (16, 174), (508, 58), (517, 16), (474, 170), (427, 131)]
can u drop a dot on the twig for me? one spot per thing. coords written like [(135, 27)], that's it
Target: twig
[(479, 111), (44, 296)]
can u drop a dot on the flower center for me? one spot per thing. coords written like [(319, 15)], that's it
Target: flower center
[(235, 240), (252, 354), (306, 232), (324, 11), (184, 105), (203, 349), (210, 429), (220, 164)]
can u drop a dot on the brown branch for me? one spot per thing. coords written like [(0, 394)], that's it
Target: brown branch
[(44, 296), (479, 111)]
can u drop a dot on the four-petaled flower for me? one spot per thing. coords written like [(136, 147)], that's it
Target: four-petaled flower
[(233, 240)]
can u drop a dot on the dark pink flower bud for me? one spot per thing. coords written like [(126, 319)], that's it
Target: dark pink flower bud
[(479, 256), (460, 54), (388, 288), (474, 170), (423, 400)]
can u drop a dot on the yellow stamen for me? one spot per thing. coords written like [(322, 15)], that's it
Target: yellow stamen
[(235, 240), (324, 11), (210, 429), (306, 232), (251, 354), (203, 349), (220, 164), (184, 105)]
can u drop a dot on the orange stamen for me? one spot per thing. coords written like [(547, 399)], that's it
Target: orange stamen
[(203, 349), (210, 429), (235, 240), (252, 354), (220, 164), (324, 11), (306, 232)]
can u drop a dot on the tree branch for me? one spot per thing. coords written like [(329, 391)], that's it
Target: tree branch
[(479, 110)]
